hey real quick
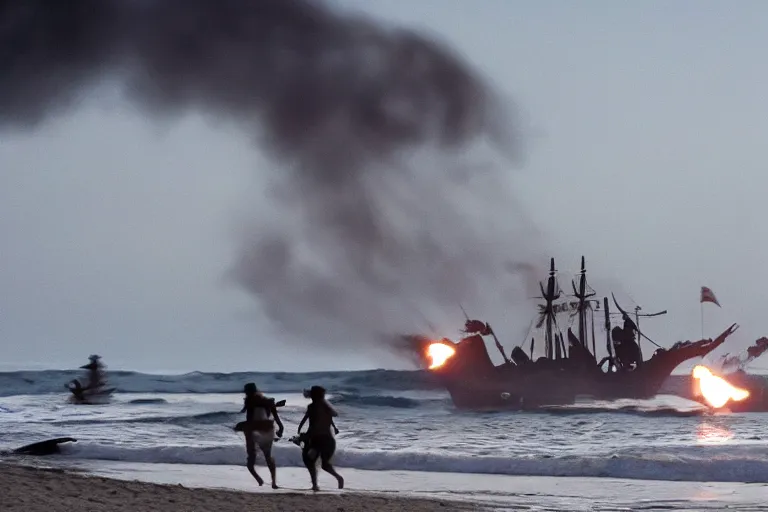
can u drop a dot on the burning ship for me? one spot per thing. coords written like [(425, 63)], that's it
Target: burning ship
[(730, 387), (569, 367)]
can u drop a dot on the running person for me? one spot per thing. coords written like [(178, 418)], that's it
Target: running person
[(259, 430), (320, 442)]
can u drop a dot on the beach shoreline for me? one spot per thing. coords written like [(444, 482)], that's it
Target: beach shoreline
[(104, 485), (35, 488)]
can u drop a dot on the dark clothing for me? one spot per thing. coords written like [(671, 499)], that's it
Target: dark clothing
[(250, 403), (259, 430), (258, 426), (95, 375), (626, 348), (258, 410), (319, 446), (320, 442), (77, 389)]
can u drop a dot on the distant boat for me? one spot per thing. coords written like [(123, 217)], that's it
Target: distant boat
[(564, 372), (95, 392), (91, 397)]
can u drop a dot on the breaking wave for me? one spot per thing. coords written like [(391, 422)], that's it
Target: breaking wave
[(205, 418), (397, 402), (746, 463)]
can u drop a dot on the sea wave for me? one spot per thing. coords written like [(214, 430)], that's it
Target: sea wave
[(745, 463), (204, 418), (230, 416), (397, 402), (368, 388), (638, 410), (54, 381)]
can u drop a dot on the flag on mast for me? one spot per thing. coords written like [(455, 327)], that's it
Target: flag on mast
[(707, 295)]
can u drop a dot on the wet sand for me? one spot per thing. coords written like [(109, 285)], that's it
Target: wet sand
[(30, 489)]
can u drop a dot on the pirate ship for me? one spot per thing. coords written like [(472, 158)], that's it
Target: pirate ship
[(569, 366)]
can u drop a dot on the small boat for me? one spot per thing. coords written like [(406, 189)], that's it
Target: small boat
[(91, 397), (95, 392), (565, 371)]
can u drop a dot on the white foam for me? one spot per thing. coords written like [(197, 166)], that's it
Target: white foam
[(729, 463)]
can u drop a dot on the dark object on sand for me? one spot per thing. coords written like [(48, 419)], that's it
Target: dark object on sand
[(569, 367), (48, 447)]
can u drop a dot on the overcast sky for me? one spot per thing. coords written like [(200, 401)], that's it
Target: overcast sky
[(648, 124)]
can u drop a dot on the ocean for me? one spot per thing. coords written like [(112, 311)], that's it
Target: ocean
[(390, 421)]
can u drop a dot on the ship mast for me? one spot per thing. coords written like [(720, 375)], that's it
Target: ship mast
[(582, 295), (608, 347), (550, 295)]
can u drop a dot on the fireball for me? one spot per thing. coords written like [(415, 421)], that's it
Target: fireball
[(716, 390), (439, 353)]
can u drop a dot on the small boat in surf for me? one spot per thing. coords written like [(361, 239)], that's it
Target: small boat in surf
[(95, 391), (569, 367)]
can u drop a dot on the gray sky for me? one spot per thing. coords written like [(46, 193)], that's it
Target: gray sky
[(648, 118)]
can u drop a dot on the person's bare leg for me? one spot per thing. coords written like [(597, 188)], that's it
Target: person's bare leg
[(310, 463), (326, 454), (328, 468), (266, 449), (252, 470), (251, 464), (272, 470)]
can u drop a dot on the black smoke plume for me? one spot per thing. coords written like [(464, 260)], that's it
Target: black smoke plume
[(382, 217)]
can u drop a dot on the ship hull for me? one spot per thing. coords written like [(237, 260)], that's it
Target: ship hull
[(518, 392), (523, 390), (474, 382), (101, 397)]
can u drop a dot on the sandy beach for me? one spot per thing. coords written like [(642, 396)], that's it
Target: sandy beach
[(99, 485), (30, 489)]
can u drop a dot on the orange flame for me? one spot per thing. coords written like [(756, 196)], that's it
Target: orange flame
[(439, 353), (716, 390)]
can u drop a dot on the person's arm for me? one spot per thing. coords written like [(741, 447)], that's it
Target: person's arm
[(304, 419), (277, 420), (245, 406), (333, 414)]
